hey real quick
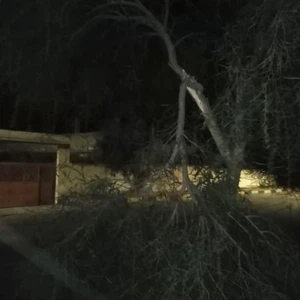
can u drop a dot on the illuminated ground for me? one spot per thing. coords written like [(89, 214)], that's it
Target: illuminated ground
[(283, 203), (283, 209)]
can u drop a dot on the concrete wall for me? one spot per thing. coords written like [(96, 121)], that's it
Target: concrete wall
[(251, 180), (74, 178), (82, 142)]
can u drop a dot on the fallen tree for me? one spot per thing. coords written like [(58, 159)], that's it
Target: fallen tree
[(135, 11)]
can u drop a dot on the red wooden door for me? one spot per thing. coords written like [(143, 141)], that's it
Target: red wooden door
[(26, 184)]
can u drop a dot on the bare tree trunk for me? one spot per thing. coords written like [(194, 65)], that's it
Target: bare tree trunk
[(29, 118), (76, 125), (54, 115), (233, 176), (14, 118)]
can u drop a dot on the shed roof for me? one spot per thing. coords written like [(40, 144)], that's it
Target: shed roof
[(34, 137)]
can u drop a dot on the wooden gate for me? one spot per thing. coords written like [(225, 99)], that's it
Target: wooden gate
[(26, 184)]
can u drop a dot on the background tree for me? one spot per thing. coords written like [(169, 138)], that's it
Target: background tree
[(260, 60)]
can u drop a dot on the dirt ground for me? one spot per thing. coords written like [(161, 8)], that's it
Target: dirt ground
[(37, 226), (282, 208), (286, 204)]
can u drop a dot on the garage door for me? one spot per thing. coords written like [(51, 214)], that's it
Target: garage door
[(26, 184)]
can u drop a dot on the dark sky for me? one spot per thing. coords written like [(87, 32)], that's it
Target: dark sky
[(47, 77)]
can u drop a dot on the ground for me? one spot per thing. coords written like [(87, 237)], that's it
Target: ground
[(42, 226), (285, 204), (35, 224), (283, 208)]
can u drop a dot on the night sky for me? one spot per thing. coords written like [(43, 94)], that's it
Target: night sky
[(113, 71)]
